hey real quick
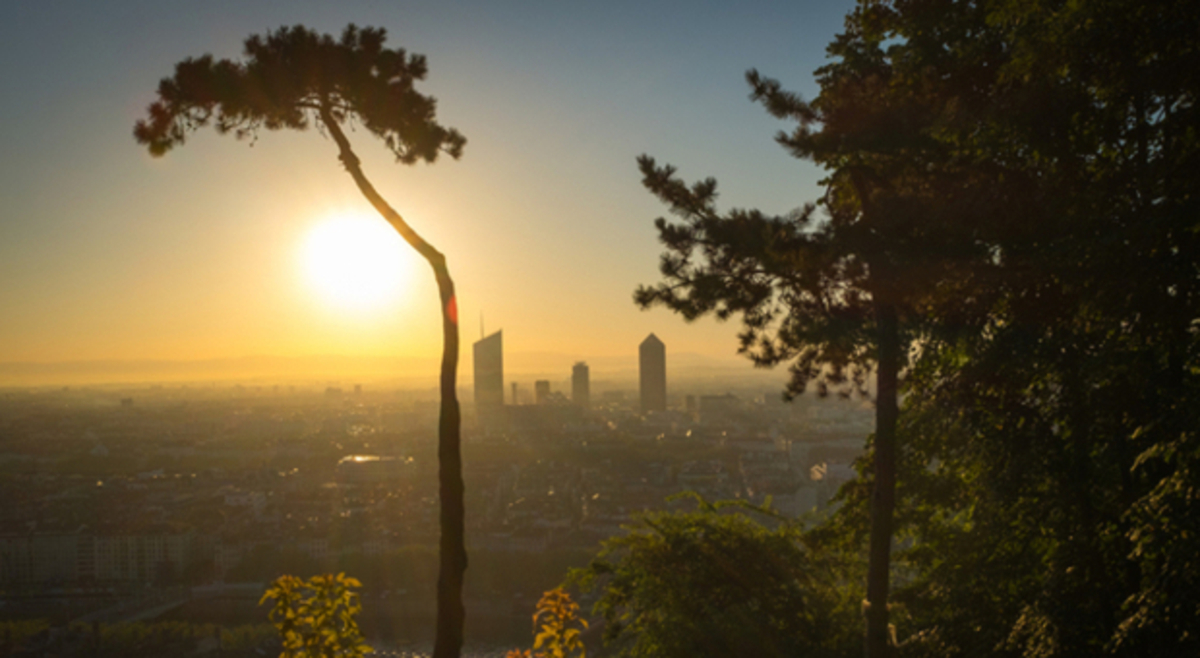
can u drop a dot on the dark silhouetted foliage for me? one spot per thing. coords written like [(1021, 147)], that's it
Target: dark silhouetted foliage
[(288, 78), (295, 77), (1019, 179)]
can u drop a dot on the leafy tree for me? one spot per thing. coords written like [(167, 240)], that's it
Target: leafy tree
[(715, 582), (848, 284), (1049, 458), (315, 618), (997, 170), (293, 78), (560, 628)]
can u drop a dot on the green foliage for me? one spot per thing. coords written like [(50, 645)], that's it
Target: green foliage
[(1048, 457), (558, 614), (715, 582), (1023, 176), (560, 627), (315, 618), (885, 259)]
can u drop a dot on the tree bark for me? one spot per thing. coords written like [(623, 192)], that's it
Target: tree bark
[(883, 495), (452, 549)]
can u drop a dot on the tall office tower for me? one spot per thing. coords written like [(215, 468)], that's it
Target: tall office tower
[(514, 394), (652, 366), (541, 391), (580, 391), (489, 379)]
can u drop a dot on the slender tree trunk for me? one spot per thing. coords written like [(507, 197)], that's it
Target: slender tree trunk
[(452, 549), (883, 495)]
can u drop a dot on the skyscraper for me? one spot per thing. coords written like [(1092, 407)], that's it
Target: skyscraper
[(541, 391), (652, 368), (489, 379), (580, 391)]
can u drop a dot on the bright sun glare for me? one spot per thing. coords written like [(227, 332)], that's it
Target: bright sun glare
[(356, 262)]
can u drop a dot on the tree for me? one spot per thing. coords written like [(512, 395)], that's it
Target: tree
[(1048, 462), (1077, 409), (848, 284), (805, 297), (293, 78), (717, 582), (315, 618), (1025, 174), (558, 618)]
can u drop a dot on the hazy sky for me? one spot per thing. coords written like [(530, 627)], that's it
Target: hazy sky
[(106, 253)]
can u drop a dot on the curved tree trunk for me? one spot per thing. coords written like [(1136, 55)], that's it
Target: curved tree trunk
[(883, 495), (452, 549)]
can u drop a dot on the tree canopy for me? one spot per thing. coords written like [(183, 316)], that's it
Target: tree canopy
[(288, 78), (718, 582), (316, 617), (1020, 181), (294, 77)]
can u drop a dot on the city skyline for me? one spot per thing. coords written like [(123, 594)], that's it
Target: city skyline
[(488, 366), (581, 385), (211, 489), (652, 374), (490, 377)]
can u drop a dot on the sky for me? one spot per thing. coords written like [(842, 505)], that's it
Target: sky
[(109, 255)]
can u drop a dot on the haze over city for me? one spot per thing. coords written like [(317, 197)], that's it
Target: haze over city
[(234, 259), (324, 329)]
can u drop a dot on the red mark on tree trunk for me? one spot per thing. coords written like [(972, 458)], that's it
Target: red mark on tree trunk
[(452, 309)]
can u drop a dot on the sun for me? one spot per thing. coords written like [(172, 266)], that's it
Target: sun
[(356, 262)]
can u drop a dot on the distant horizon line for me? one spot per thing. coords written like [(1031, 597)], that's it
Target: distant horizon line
[(521, 366), (632, 356)]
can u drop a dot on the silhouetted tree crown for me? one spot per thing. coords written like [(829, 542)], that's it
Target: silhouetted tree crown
[(294, 77), (291, 76)]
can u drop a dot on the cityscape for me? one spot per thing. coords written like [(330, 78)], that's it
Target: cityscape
[(864, 328), (181, 501)]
